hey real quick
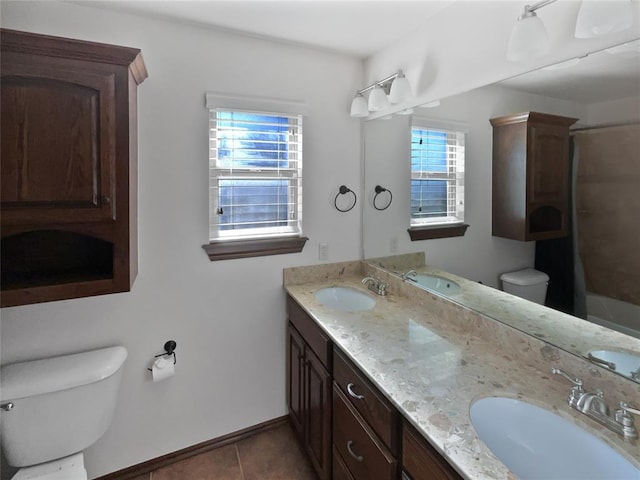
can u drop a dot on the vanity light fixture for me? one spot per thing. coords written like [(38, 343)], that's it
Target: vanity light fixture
[(529, 36), (602, 18), (595, 18), (392, 89)]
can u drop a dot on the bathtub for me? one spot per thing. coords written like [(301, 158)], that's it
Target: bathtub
[(615, 314)]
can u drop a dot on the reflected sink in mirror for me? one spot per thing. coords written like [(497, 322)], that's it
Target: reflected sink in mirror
[(535, 443), (345, 299), (624, 363), (435, 283)]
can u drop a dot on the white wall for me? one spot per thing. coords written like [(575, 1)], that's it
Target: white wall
[(227, 317), (477, 255), (625, 110)]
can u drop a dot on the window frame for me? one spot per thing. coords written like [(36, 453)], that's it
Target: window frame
[(265, 242), (429, 229)]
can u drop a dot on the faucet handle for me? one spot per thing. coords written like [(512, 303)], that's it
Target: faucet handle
[(575, 380), (576, 391), (627, 408), (625, 420)]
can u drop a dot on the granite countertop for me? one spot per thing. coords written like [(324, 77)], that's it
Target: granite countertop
[(433, 367)]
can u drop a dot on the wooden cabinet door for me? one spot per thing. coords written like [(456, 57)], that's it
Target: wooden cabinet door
[(295, 380), (421, 461), (318, 409), (548, 164), (58, 141)]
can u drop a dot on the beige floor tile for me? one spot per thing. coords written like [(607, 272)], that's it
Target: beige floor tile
[(219, 464), (274, 455)]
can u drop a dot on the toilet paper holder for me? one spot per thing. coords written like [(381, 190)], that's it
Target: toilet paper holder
[(169, 349)]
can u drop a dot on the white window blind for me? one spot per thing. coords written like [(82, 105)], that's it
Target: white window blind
[(437, 176), (255, 174)]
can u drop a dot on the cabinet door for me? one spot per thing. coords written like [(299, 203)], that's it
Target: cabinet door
[(421, 461), (58, 141), (318, 409), (295, 380), (548, 164)]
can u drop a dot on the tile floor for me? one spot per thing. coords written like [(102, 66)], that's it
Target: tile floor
[(271, 455)]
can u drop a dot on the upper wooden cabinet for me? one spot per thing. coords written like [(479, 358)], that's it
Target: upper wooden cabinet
[(68, 167), (531, 181)]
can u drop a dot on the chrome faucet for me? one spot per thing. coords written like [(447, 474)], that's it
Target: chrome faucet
[(375, 285), (408, 275), (594, 406)]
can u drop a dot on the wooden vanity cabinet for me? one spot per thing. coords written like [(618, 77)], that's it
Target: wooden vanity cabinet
[(348, 428), (309, 387), (420, 461), (530, 175), (68, 167)]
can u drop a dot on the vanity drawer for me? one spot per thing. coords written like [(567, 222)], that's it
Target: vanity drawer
[(421, 461), (340, 470), (363, 454), (312, 333), (376, 410)]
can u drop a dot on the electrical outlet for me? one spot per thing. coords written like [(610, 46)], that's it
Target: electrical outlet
[(323, 251)]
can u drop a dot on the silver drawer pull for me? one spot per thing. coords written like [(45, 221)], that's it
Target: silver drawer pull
[(358, 458), (352, 393), (7, 407)]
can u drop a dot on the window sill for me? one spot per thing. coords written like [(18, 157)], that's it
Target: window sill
[(254, 248), (437, 231)]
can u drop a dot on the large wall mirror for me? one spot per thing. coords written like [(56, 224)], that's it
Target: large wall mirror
[(602, 91)]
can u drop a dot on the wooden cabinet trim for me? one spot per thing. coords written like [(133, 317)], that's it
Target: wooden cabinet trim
[(46, 45)]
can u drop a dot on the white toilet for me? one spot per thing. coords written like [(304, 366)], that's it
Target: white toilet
[(528, 283), (54, 408)]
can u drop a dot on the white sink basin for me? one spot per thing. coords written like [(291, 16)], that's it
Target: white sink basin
[(345, 299), (436, 283), (625, 363), (535, 443)]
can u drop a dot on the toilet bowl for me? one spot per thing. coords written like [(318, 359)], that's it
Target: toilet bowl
[(527, 283), (54, 408)]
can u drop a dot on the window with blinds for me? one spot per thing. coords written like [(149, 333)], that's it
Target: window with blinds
[(437, 176), (255, 175)]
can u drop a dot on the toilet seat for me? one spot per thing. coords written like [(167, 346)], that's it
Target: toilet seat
[(67, 468)]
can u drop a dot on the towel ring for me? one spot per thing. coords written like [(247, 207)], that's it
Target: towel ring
[(342, 191), (379, 190)]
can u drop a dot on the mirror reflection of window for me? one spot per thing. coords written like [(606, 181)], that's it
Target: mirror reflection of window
[(437, 175)]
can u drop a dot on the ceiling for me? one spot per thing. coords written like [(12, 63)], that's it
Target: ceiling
[(607, 75), (362, 28), (355, 27)]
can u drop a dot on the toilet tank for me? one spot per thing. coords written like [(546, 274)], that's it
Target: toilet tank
[(527, 283), (61, 405)]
